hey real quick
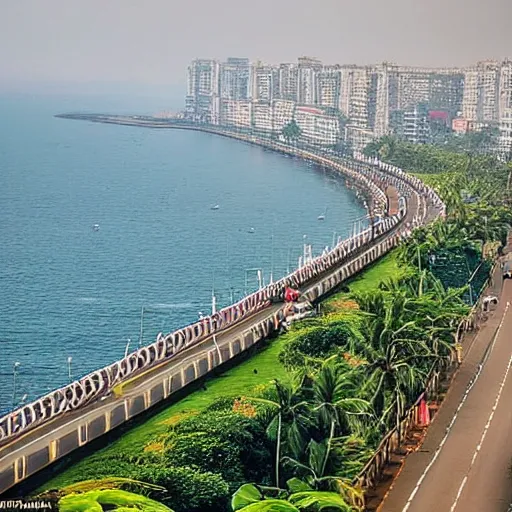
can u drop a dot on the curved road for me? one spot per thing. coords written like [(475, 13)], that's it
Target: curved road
[(463, 464)]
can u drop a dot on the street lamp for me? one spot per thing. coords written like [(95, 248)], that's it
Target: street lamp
[(214, 310), (127, 347), (272, 258), (260, 277), (69, 368), (141, 324), (14, 375)]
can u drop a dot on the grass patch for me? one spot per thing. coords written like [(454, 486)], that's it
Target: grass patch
[(244, 379), (388, 267), (237, 381)]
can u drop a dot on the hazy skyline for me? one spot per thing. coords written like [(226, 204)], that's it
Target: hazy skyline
[(152, 42)]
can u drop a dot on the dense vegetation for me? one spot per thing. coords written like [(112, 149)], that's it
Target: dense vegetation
[(346, 378)]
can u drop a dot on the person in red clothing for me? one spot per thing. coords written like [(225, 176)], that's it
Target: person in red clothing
[(291, 295)]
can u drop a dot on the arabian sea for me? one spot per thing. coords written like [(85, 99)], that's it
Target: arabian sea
[(67, 290)]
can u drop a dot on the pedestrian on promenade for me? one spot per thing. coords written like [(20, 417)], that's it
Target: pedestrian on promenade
[(291, 296)]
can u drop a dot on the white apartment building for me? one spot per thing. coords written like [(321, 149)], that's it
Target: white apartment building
[(288, 82), (328, 83), (202, 100), (308, 69), (358, 138), (235, 79), (262, 86), (236, 113), (505, 109), (263, 117), (481, 92), (317, 127), (357, 96), (283, 112)]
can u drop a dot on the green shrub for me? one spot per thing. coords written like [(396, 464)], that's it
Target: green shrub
[(319, 342), (188, 489), (224, 442)]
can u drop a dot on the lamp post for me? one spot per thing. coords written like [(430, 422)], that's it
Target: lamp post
[(69, 368), (259, 273), (272, 257), (127, 347), (14, 375), (214, 310), (141, 324)]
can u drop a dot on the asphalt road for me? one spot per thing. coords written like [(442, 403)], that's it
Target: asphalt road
[(463, 464)]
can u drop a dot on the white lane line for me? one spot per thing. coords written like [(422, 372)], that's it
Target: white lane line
[(452, 423), (486, 429)]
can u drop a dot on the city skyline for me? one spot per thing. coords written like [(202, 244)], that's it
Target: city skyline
[(350, 103), (151, 43)]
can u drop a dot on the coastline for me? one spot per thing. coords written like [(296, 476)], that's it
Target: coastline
[(162, 358)]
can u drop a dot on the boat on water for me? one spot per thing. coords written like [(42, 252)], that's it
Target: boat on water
[(96, 227), (322, 217), (216, 207), (251, 230)]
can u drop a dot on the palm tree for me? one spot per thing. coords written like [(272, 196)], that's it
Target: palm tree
[(334, 391), (313, 473), (286, 411), (396, 358)]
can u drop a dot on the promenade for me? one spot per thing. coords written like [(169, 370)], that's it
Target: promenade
[(463, 464)]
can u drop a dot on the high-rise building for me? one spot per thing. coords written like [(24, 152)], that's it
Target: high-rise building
[(481, 92), (264, 82), (505, 110), (328, 84), (235, 79), (411, 124), (358, 95), (202, 101), (308, 68), (288, 82)]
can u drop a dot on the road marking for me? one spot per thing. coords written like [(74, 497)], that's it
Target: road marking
[(452, 423), (486, 429)]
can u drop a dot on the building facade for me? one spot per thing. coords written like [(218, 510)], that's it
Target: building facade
[(235, 79), (202, 100), (328, 84), (374, 100), (317, 127), (308, 69)]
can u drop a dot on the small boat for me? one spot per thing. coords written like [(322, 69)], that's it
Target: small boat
[(96, 227), (216, 207), (322, 217), (251, 230)]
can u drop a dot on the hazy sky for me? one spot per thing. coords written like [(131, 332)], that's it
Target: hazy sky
[(152, 41)]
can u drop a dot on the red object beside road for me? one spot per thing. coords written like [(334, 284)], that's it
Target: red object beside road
[(291, 295)]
